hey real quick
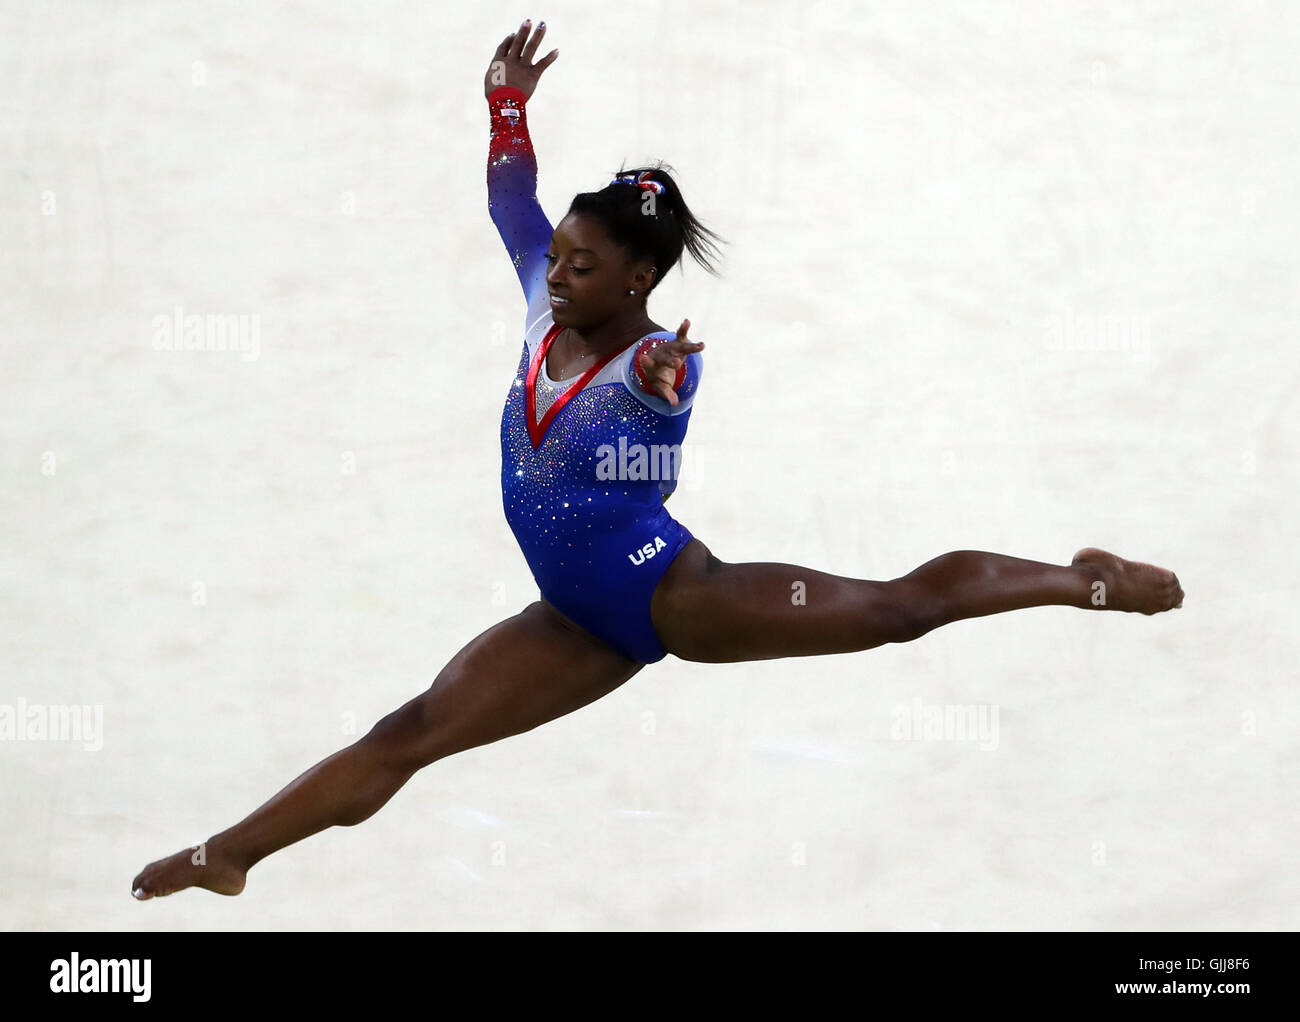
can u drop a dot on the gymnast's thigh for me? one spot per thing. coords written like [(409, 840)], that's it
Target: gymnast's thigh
[(517, 675)]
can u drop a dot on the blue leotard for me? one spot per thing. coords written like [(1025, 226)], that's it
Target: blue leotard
[(586, 464)]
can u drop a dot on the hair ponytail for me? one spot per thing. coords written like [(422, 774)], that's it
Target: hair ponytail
[(651, 225)]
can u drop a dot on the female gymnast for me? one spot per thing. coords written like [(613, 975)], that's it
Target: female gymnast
[(622, 584)]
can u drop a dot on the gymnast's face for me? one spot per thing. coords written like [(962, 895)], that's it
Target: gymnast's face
[(593, 272)]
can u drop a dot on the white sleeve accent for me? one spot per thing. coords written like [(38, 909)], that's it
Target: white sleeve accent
[(539, 296)]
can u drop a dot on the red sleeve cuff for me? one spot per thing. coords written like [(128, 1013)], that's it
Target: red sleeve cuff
[(507, 92), (639, 369)]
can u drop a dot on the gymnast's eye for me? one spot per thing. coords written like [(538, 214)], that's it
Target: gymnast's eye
[(576, 269)]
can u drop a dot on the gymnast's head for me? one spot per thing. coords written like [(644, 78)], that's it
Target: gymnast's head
[(614, 246)]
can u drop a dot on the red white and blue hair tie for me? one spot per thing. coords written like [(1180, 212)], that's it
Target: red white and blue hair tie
[(642, 181)]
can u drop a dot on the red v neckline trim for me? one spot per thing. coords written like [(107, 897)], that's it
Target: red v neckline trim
[(537, 430)]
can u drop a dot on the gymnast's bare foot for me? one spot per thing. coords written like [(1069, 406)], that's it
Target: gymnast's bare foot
[(1131, 585), (209, 870)]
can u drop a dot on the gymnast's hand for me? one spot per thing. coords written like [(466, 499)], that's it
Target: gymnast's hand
[(660, 364), (512, 64)]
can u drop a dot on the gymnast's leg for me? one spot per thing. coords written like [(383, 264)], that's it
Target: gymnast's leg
[(711, 611), (520, 673)]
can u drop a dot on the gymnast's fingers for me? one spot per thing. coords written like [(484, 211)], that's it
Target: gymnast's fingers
[(530, 49), (520, 37)]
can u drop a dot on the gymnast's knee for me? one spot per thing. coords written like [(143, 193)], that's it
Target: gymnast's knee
[(913, 611), (411, 737)]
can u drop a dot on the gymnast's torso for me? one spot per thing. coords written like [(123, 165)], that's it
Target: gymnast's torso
[(586, 462)]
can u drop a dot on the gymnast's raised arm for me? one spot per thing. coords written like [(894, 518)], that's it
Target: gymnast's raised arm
[(512, 167)]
